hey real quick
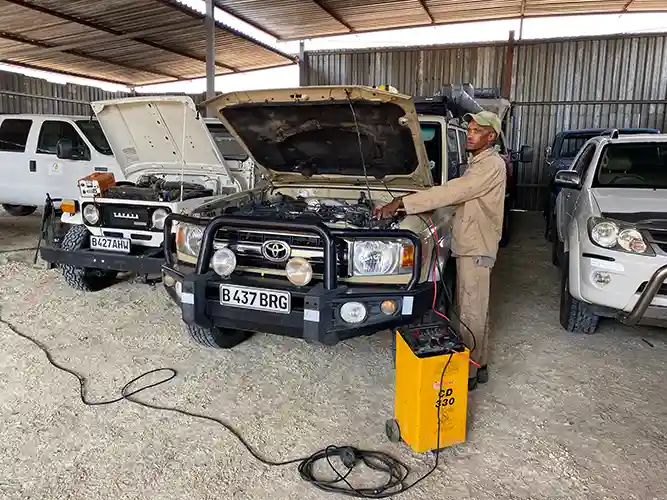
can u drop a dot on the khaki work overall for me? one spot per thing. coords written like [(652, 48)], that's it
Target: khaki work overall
[(479, 198)]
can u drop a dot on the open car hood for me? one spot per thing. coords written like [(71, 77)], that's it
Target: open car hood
[(321, 133), (146, 134)]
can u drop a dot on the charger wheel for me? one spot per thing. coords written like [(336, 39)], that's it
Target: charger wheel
[(392, 430)]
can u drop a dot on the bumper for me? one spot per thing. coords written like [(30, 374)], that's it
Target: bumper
[(315, 310), (145, 263), (635, 293)]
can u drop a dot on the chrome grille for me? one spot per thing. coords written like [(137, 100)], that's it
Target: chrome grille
[(125, 217), (247, 245), (657, 237)]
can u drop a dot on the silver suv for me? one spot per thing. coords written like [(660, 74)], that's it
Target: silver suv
[(611, 216)]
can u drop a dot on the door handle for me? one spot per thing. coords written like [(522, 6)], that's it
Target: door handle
[(33, 165)]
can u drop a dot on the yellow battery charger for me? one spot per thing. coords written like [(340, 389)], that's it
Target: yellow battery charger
[(421, 356)]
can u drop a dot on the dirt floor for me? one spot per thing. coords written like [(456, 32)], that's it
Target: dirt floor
[(563, 416)]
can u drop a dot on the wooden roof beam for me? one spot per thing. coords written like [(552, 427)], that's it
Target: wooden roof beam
[(428, 12), (332, 14), (99, 27), (19, 39)]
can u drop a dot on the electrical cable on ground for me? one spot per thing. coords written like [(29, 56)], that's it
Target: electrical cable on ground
[(379, 461)]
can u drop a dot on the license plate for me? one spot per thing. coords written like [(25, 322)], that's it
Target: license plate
[(255, 298), (110, 244)]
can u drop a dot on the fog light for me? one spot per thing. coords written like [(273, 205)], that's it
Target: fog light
[(388, 307), (601, 278), (299, 271), (353, 312), (223, 262)]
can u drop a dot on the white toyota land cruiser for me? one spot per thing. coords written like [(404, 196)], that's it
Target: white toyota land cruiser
[(171, 164), (612, 232)]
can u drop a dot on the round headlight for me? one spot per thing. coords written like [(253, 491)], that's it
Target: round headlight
[(91, 214), (632, 241), (299, 271), (158, 217), (193, 238), (224, 262), (353, 312), (605, 234), (375, 257)]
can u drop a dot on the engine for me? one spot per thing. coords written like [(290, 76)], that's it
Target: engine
[(153, 188), (335, 212)]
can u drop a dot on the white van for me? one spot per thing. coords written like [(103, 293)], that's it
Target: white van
[(31, 167)]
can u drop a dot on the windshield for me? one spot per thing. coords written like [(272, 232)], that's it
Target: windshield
[(638, 165), (229, 147), (328, 138), (93, 132)]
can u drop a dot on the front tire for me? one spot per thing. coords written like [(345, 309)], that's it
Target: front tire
[(222, 338), (80, 278), (19, 210), (575, 315)]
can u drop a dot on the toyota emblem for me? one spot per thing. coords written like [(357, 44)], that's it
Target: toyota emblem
[(276, 251)]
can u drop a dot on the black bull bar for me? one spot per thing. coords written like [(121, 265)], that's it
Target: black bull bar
[(327, 235)]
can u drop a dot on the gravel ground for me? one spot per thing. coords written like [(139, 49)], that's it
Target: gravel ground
[(563, 416)]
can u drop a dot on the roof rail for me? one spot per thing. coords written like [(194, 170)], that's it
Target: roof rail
[(612, 132)]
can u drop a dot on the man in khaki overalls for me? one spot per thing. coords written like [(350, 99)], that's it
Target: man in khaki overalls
[(479, 198)]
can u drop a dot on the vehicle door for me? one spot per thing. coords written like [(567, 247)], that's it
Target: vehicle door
[(567, 198), (59, 176), (14, 164)]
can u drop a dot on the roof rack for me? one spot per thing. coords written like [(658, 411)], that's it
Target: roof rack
[(453, 100)]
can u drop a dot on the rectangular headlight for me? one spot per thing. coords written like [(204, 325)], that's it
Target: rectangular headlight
[(381, 257)]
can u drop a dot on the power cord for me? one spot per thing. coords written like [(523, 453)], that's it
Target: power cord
[(379, 461)]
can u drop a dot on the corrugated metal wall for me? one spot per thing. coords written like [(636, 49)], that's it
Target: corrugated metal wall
[(24, 94), (556, 84)]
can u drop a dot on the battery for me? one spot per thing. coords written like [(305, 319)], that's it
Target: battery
[(421, 400)]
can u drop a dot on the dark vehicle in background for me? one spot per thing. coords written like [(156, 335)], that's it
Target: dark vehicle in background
[(471, 100), (561, 154)]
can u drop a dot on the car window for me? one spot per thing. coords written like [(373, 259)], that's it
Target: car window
[(572, 144), (93, 131), (52, 131), (584, 160), (634, 165), (229, 148), (432, 137), (453, 154), (14, 134)]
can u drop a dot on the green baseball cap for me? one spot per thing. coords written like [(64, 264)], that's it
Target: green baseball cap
[(485, 119)]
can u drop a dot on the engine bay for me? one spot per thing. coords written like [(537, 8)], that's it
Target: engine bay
[(332, 211), (154, 188)]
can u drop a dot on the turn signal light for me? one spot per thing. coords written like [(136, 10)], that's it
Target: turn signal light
[(68, 206), (408, 256)]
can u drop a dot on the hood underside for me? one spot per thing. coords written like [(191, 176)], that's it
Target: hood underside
[(158, 132), (328, 131)]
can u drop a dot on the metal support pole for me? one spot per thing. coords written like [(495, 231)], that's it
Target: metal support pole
[(210, 50), (507, 76), (302, 63)]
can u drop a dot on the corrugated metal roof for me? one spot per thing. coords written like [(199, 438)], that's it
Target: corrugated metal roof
[(295, 19), (133, 42)]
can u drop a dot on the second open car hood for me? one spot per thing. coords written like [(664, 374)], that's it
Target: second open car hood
[(146, 134), (329, 132)]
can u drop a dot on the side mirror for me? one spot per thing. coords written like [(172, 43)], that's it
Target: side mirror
[(65, 149), (547, 152), (526, 154), (568, 179)]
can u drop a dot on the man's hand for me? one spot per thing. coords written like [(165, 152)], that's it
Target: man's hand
[(388, 210)]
